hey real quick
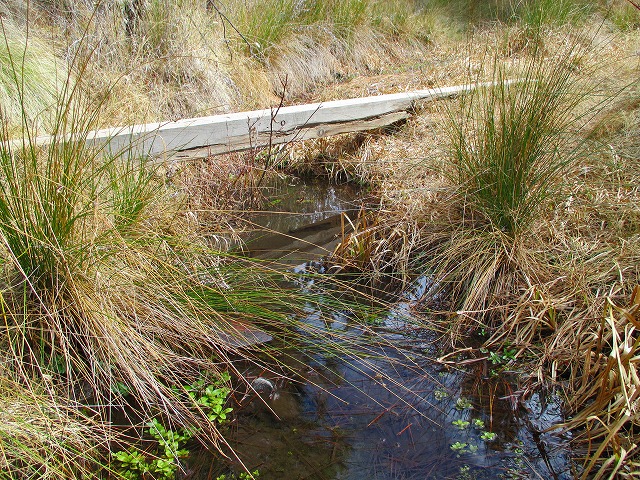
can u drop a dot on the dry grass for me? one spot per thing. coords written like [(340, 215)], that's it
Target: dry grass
[(44, 436), (605, 399)]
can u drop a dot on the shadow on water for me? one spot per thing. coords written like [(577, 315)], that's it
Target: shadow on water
[(384, 410)]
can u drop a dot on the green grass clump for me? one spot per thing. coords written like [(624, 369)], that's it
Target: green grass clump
[(266, 24), (510, 146)]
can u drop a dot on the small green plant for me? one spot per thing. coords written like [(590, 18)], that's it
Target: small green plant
[(478, 423), (440, 394), (488, 436), (498, 358), (134, 465), (211, 397), (463, 403), (460, 424), (465, 473), (459, 447), (120, 388), (373, 319), (240, 476), (495, 358), (169, 440), (462, 448)]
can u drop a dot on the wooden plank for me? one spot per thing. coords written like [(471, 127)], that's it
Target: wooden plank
[(238, 131), (306, 133)]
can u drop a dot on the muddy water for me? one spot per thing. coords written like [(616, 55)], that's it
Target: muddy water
[(386, 410)]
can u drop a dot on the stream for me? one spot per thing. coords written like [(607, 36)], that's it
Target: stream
[(386, 410)]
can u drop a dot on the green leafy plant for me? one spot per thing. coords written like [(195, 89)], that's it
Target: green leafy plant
[(463, 447), (240, 476), (488, 436), (463, 403), (211, 397), (478, 423), (120, 388), (164, 462), (460, 424), (459, 447), (440, 394)]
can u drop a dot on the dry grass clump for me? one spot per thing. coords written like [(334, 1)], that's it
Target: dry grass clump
[(44, 437), (605, 400), (511, 145), (104, 290), (28, 63), (377, 249)]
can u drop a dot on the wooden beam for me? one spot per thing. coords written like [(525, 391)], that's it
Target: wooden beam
[(238, 131), (305, 133)]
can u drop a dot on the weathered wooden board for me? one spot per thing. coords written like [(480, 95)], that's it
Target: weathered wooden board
[(306, 133), (238, 131)]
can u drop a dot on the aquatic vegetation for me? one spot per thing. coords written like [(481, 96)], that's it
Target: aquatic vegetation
[(240, 476), (478, 423), (463, 403), (460, 424), (440, 394), (462, 448), (488, 436)]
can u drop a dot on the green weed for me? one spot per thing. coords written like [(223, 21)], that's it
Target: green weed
[(488, 436), (460, 424), (134, 465)]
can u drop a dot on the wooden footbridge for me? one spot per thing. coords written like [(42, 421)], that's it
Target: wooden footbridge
[(218, 134)]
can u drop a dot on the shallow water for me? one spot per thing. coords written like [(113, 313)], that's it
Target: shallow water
[(386, 410)]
